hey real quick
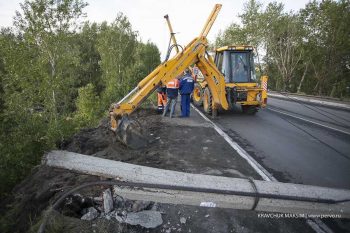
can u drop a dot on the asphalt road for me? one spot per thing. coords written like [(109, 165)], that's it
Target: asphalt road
[(294, 149)]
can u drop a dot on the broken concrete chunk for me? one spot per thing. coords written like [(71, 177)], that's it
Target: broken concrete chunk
[(91, 214), (107, 201), (183, 220), (146, 218)]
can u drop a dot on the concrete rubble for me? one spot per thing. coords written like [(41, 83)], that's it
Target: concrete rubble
[(111, 207), (146, 218)]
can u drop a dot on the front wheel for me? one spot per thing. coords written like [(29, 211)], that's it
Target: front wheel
[(207, 101)]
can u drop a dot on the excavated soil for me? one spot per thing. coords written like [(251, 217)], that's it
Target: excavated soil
[(188, 145)]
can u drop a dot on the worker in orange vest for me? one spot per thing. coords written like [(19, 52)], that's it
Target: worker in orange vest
[(161, 99), (172, 91)]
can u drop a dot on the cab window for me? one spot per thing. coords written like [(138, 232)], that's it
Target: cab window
[(240, 67)]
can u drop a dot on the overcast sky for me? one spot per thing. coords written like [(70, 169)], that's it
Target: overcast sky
[(146, 16)]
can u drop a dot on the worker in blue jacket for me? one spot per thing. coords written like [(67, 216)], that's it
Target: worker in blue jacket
[(186, 88)]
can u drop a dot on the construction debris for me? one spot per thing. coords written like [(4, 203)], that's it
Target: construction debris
[(146, 218)]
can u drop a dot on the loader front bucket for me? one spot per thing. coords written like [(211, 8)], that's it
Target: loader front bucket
[(129, 132)]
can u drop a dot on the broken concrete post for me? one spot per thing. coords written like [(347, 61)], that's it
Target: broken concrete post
[(224, 192)]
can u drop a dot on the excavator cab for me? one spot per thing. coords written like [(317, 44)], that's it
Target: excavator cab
[(237, 66)]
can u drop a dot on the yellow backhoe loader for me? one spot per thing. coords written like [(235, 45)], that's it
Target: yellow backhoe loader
[(236, 64), (219, 91)]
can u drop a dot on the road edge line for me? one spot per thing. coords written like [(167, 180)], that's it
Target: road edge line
[(317, 225)]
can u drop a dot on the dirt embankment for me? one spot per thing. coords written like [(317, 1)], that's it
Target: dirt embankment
[(188, 145)]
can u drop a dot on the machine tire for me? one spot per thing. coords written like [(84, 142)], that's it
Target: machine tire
[(197, 95), (249, 109), (207, 101)]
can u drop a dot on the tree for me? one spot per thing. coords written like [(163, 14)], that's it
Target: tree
[(38, 62), (116, 45), (327, 44), (49, 25), (233, 35), (283, 36)]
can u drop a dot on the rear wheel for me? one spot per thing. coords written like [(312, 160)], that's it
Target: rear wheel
[(197, 95), (249, 109), (207, 101)]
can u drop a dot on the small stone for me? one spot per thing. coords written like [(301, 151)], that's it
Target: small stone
[(168, 230), (91, 214), (207, 215), (107, 201), (183, 220)]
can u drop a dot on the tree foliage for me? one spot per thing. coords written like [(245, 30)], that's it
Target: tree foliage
[(306, 51), (59, 74)]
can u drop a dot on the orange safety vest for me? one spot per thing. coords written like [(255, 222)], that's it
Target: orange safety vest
[(174, 84)]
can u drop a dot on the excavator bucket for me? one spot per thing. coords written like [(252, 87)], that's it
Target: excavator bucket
[(129, 132)]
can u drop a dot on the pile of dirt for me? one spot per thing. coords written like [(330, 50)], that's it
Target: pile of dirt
[(175, 144)]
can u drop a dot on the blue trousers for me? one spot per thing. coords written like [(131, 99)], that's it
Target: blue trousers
[(185, 105), (171, 103)]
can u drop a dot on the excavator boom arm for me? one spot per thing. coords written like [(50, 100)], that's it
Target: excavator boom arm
[(193, 53)]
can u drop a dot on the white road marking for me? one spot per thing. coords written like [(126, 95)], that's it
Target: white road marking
[(309, 121), (317, 225)]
